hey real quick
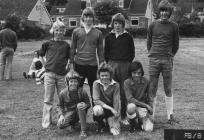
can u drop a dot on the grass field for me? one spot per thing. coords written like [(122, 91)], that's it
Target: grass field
[(21, 100)]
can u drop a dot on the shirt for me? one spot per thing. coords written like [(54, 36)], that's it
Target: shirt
[(57, 55)]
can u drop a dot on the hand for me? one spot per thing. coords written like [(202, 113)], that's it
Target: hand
[(81, 106), (115, 113), (61, 120), (149, 109)]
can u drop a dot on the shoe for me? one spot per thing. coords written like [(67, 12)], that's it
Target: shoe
[(125, 122), (24, 74), (83, 134), (173, 120), (100, 128), (33, 75)]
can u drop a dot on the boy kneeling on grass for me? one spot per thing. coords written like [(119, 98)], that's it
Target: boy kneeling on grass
[(106, 97), (139, 108), (73, 104)]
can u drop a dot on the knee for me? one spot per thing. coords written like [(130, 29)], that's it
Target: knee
[(148, 125), (131, 111), (142, 112), (98, 110)]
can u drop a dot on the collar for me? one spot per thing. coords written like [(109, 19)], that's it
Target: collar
[(116, 34), (87, 29), (111, 83)]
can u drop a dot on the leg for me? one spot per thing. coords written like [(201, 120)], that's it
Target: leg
[(59, 83), (98, 115), (82, 72), (131, 115), (9, 63), (48, 99), (2, 63)]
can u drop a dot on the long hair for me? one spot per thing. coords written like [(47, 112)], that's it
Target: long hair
[(135, 66)]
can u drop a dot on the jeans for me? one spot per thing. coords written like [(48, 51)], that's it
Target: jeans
[(6, 59), (162, 65), (52, 81)]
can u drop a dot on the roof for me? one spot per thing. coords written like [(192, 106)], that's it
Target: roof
[(21, 8), (73, 7), (138, 6)]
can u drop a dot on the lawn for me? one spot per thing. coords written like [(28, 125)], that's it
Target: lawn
[(21, 100)]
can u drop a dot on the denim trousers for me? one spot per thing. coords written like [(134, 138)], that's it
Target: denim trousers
[(159, 65), (6, 59), (52, 83)]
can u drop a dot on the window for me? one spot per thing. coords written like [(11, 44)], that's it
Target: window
[(134, 21), (72, 22), (60, 10), (121, 3), (88, 3)]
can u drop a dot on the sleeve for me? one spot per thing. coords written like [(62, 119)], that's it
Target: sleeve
[(132, 49), (60, 105), (116, 99), (149, 37), (15, 42), (175, 40), (43, 49), (86, 100), (100, 48), (128, 93), (32, 66), (149, 95), (107, 49), (96, 95), (73, 46)]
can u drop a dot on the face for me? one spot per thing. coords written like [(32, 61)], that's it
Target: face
[(118, 26), (136, 74), (59, 32), (73, 84), (88, 20), (164, 14), (105, 77)]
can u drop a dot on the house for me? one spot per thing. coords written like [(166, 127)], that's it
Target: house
[(21, 8)]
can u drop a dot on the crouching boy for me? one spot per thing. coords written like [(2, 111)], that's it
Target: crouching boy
[(73, 104), (139, 106), (106, 97)]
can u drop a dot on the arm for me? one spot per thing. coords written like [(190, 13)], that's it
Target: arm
[(175, 40), (15, 42), (149, 37), (73, 47), (132, 48), (96, 94), (106, 49), (100, 48), (130, 98), (60, 105)]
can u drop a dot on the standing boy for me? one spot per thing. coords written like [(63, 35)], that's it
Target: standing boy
[(73, 104), (119, 52), (139, 99), (56, 53), (8, 45), (106, 95), (86, 46), (162, 45)]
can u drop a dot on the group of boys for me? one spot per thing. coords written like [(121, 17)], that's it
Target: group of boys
[(119, 92)]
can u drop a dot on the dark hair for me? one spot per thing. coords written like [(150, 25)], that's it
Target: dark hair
[(38, 65), (165, 5), (88, 12), (105, 68), (135, 66), (118, 17)]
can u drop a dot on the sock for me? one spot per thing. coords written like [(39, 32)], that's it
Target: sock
[(169, 106)]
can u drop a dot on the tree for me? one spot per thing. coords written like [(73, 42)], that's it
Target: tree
[(105, 10), (50, 3)]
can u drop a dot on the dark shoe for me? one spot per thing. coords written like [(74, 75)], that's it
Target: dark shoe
[(172, 120), (33, 75), (24, 74), (133, 125), (83, 134)]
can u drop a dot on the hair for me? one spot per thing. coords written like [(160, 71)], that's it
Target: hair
[(135, 66), (118, 17), (38, 65), (56, 25), (164, 4), (105, 68), (72, 75), (88, 12)]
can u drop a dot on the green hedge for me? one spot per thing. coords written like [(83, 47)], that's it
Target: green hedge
[(191, 30)]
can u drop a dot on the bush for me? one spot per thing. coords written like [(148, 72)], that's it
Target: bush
[(32, 32), (191, 30), (138, 32), (68, 32)]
